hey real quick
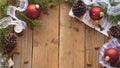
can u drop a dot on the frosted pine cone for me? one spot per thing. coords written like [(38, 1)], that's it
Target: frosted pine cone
[(79, 8), (10, 41), (115, 31)]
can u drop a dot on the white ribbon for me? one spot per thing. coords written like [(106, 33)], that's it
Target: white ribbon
[(12, 19)]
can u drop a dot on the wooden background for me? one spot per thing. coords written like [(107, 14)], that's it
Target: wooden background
[(61, 42)]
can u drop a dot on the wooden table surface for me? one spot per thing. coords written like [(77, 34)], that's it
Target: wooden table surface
[(61, 42)]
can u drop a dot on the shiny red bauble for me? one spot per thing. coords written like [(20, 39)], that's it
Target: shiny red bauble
[(111, 55), (33, 11), (96, 13)]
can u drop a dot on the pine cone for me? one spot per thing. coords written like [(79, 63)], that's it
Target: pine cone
[(79, 8), (10, 41), (115, 31)]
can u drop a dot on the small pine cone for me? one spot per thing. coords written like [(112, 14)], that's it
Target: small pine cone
[(115, 31), (79, 8), (10, 41)]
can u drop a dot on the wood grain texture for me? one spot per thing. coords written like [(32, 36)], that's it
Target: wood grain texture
[(25, 48), (93, 39), (61, 42), (45, 47), (71, 40)]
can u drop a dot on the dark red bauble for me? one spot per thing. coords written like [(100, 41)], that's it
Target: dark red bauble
[(111, 55), (96, 13), (33, 11)]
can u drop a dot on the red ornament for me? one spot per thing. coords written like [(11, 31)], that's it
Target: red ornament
[(96, 13), (33, 11), (111, 55)]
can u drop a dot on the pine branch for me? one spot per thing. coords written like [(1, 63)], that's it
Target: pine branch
[(71, 2), (23, 17), (44, 3), (3, 7)]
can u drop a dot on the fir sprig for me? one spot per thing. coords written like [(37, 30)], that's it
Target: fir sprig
[(71, 2), (35, 22), (44, 3), (3, 7)]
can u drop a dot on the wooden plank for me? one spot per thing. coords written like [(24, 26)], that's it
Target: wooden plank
[(45, 49), (71, 40), (93, 39), (106, 39), (25, 48)]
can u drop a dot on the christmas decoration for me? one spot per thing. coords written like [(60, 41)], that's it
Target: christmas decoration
[(79, 8), (45, 3), (10, 42), (33, 11), (102, 24), (96, 13), (12, 18), (69, 1), (115, 31), (111, 55)]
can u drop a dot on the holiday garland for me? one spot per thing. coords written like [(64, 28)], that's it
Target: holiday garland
[(8, 37), (13, 24), (101, 12), (113, 19)]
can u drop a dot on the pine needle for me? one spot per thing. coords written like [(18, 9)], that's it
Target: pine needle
[(44, 3)]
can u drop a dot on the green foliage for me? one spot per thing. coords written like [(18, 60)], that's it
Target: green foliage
[(3, 7), (44, 3), (3, 10), (37, 23), (4, 31), (114, 3), (22, 16), (71, 2)]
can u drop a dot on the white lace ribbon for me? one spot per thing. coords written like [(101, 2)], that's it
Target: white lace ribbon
[(12, 19)]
